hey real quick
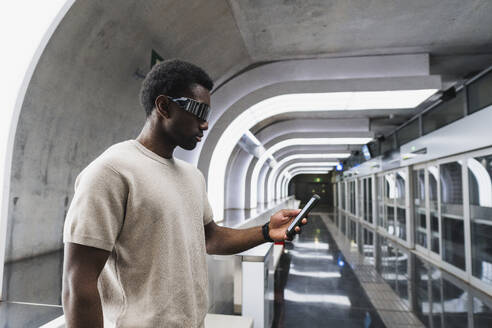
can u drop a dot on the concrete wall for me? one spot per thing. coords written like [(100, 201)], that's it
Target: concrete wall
[(83, 97)]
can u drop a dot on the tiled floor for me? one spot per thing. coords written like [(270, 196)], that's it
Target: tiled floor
[(314, 290)]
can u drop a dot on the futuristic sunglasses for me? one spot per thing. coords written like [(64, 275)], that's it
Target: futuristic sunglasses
[(201, 110)]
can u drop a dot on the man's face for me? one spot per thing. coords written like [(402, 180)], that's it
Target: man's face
[(184, 128)]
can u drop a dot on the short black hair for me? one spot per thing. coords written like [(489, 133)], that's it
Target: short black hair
[(173, 78)]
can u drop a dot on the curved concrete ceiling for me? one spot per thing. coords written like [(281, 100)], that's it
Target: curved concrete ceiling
[(307, 76), (273, 175), (227, 131), (294, 139), (237, 193), (281, 153), (272, 181), (83, 94)]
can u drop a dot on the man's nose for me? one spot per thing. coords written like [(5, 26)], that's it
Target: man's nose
[(204, 125)]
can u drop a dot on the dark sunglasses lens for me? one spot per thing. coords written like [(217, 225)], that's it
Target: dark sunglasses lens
[(198, 109), (206, 114)]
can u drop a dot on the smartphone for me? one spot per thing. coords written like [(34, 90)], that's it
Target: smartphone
[(304, 212)]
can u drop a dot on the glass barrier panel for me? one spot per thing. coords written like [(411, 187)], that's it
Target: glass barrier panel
[(352, 197), (389, 200), (419, 208), (360, 199), (400, 184), (482, 314), (343, 195), (343, 224), (369, 200), (455, 301), (401, 227), (402, 277), (353, 232), (389, 264), (433, 172), (453, 238), (380, 200), (369, 245), (435, 305), (364, 199), (480, 191), (422, 290)]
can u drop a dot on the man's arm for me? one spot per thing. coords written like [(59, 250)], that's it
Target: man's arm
[(225, 241), (81, 300)]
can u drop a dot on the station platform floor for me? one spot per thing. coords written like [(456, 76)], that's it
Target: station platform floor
[(317, 284), (315, 288)]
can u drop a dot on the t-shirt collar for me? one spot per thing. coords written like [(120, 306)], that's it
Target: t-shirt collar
[(151, 154)]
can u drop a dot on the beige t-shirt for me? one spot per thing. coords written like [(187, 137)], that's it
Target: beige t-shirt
[(149, 212)]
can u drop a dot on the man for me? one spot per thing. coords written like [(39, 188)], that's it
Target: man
[(139, 226)]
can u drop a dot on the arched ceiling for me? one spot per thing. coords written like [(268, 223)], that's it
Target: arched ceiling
[(83, 94)]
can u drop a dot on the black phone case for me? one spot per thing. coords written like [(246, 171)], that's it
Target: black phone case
[(305, 211)]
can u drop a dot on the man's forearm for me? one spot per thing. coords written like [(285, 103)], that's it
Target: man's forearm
[(83, 308), (231, 241)]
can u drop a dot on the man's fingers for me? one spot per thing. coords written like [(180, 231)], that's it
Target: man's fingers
[(290, 212), (298, 229), (304, 221)]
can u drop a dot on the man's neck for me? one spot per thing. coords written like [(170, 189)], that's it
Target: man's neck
[(151, 140)]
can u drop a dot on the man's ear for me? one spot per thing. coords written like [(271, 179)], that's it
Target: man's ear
[(162, 106)]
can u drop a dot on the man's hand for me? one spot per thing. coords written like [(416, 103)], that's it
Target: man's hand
[(280, 221)]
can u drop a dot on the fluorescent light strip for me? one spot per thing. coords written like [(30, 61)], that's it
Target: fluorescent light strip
[(255, 183), (306, 102)]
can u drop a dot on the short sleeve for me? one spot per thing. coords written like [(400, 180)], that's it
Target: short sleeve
[(97, 211), (208, 214)]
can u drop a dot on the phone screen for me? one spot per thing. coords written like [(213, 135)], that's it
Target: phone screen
[(305, 211)]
